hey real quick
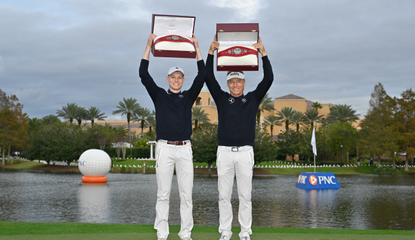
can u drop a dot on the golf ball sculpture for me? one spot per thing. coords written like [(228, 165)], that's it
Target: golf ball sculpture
[(94, 164)]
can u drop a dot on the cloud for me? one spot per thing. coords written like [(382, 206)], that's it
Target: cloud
[(246, 10), (2, 66), (35, 96), (88, 52)]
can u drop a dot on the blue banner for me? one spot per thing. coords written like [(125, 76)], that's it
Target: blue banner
[(308, 180)]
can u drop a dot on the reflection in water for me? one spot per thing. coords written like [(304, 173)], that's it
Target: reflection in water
[(313, 201), (94, 203), (363, 202)]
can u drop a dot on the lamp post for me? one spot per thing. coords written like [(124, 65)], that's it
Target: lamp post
[(341, 147)]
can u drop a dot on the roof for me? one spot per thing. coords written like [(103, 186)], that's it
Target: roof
[(290, 96)]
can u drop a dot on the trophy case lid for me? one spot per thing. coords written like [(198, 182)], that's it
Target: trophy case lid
[(173, 24)]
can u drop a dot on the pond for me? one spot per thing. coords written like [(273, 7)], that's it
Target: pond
[(363, 202)]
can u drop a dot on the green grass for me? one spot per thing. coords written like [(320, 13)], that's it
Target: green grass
[(151, 163), (46, 231), (366, 169), (25, 165), (296, 171)]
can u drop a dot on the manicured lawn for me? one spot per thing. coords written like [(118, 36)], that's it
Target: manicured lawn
[(296, 171), (46, 231), (25, 165)]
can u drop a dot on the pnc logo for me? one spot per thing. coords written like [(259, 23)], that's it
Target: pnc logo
[(301, 179), (313, 180)]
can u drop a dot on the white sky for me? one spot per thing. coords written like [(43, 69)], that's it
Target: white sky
[(87, 52)]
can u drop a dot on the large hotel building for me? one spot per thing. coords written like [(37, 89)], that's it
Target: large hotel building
[(205, 101)]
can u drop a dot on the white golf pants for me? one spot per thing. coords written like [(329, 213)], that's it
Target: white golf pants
[(231, 161), (168, 156)]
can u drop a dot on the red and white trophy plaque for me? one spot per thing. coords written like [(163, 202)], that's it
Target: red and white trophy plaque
[(173, 36), (235, 51)]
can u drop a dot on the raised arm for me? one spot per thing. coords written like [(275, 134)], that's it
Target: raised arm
[(201, 72), (198, 54), (211, 81), (150, 39), (260, 47), (146, 79), (266, 82)]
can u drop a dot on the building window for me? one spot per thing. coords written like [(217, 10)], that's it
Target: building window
[(280, 130), (198, 101)]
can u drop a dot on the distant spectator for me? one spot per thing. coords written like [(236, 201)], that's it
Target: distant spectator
[(358, 161)]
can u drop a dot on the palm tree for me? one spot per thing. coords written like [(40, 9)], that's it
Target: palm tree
[(142, 115), (68, 112), (271, 121), (34, 123), (265, 105), (128, 107), (317, 106), (311, 115), (199, 116), (152, 121), (343, 113), (120, 135), (80, 115), (297, 119), (286, 115), (93, 114)]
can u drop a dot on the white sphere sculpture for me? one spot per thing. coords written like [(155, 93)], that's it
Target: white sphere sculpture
[(94, 164)]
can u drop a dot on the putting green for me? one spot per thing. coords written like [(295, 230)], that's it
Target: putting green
[(91, 231)]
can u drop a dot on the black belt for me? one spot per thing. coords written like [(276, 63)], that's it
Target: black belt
[(176, 142)]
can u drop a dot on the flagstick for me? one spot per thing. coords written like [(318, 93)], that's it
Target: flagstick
[(314, 163)]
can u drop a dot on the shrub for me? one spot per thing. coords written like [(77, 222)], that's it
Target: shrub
[(387, 171)]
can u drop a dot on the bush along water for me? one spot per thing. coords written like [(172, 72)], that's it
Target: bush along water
[(386, 171)]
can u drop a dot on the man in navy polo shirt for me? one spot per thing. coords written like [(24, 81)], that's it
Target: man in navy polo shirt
[(236, 135), (174, 128)]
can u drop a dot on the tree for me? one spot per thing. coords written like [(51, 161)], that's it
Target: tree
[(119, 139), (316, 106), (342, 134), (13, 123), (128, 107), (93, 113), (13, 129), (311, 116), (60, 142), (378, 134), (68, 112), (199, 116), (80, 115), (34, 123), (297, 119), (343, 113), (264, 148), (48, 119), (405, 117), (204, 143), (151, 122), (290, 143), (106, 135), (266, 105), (286, 115), (271, 121), (142, 115), (11, 102)]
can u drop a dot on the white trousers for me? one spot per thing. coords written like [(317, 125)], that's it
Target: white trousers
[(230, 162), (168, 156)]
